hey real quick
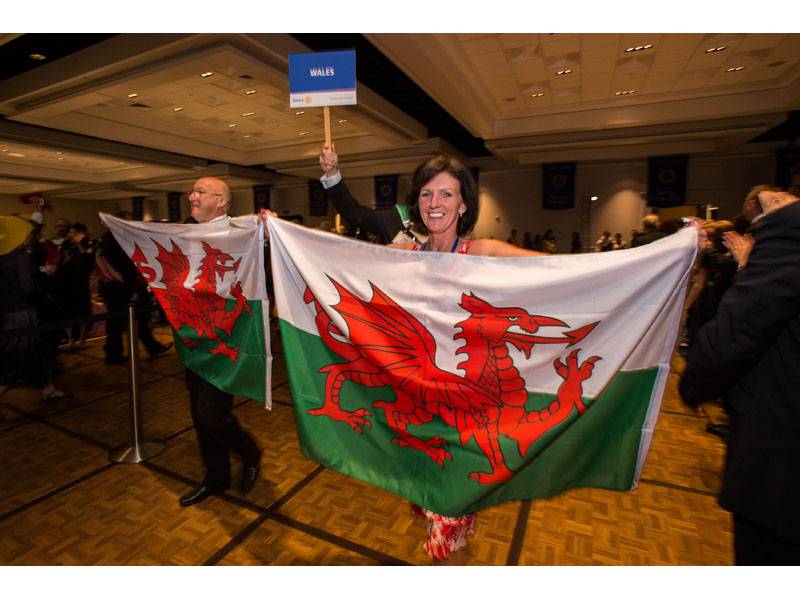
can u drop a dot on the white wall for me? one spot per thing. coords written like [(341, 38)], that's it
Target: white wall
[(510, 198)]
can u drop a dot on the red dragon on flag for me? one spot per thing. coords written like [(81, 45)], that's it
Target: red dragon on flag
[(201, 307), (387, 346)]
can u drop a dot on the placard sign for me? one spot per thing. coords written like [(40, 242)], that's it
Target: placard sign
[(322, 79)]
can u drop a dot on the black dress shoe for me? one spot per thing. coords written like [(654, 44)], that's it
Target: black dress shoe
[(199, 494), (159, 350), (249, 476)]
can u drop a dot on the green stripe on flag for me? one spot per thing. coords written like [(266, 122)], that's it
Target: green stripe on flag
[(599, 449), (245, 377)]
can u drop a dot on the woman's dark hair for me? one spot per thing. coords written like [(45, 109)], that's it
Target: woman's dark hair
[(79, 227), (469, 191)]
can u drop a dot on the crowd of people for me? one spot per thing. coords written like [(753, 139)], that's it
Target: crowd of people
[(57, 280), (741, 328)]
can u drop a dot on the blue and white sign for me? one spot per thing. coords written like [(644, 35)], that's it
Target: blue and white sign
[(322, 79)]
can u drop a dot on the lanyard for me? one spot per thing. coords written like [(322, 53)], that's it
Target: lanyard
[(453, 249)]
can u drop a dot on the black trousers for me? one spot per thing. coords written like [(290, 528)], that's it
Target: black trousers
[(115, 296), (756, 545), (218, 431)]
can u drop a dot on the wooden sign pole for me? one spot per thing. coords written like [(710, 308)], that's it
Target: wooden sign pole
[(326, 117)]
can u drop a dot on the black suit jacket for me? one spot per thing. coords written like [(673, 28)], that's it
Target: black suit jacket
[(383, 223), (751, 352)]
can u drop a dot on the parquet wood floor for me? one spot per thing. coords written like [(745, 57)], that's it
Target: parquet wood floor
[(63, 503)]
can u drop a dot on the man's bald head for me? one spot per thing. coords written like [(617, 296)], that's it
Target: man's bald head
[(209, 199), (650, 223)]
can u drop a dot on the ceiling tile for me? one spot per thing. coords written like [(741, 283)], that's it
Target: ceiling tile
[(760, 41), (492, 59), (518, 40), (596, 41), (483, 45)]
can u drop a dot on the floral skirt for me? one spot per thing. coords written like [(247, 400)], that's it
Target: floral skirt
[(445, 534)]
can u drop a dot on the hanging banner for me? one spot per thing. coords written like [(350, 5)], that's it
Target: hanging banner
[(787, 169), (385, 191), (322, 79), (558, 185), (174, 207), (476, 175), (317, 200), (666, 181), (261, 197), (137, 208)]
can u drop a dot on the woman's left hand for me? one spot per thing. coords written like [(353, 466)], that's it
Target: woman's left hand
[(265, 215), (702, 234)]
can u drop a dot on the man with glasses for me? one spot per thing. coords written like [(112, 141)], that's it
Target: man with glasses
[(217, 429)]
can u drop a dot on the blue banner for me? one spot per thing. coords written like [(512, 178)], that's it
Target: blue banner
[(666, 181), (261, 197), (558, 185), (385, 191), (787, 170), (174, 207), (317, 200), (137, 208), (322, 78), (476, 175)]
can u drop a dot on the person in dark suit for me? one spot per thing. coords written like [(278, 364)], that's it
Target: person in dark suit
[(649, 233), (217, 429), (750, 353), (388, 225), (119, 283)]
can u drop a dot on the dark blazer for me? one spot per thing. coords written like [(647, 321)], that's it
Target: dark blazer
[(750, 353), (383, 223)]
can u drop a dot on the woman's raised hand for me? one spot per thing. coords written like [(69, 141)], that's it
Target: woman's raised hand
[(265, 215), (329, 160)]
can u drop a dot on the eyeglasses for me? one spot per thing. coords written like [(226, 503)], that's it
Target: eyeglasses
[(202, 193)]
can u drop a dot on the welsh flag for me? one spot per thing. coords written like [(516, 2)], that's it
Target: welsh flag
[(209, 279), (459, 382)]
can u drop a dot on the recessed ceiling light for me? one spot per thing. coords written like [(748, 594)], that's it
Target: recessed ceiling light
[(624, 92), (716, 49), (122, 162), (594, 198), (300, 112), (207, 74), (304, 133), (134, 95), (232, 125), (342, 121), (639, 48), (248, 114), (732, 69), (247, 136), (59, 153), (564, 72), (178, 108), (16, 154), (5, 149), (248, 92), (537, 95), (60, 158), (37, 56)]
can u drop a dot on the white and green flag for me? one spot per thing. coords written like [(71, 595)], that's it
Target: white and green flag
[(209, 280), (459, 381)]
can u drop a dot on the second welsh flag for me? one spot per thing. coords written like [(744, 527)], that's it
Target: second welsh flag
[(209, 280), (459, 382)]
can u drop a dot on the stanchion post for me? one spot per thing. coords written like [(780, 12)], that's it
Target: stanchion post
[(140, 449)]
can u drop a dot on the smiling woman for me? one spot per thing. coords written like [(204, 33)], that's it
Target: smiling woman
[(445, 204)]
